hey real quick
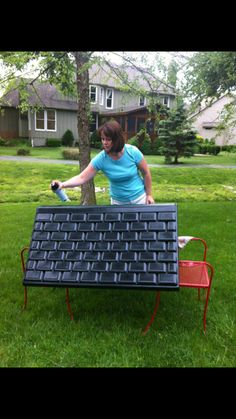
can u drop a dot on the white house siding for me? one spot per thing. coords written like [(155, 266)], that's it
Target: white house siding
[(210, 116)]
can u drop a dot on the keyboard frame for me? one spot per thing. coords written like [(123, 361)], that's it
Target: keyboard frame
[(106, 209)]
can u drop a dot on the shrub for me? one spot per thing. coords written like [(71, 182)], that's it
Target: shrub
[(2, 142), (53, 142), (142, 141), (95, 140), (14, 142), (23, 152), (208, 148), (68, 138), (199, 138), (71, 154)]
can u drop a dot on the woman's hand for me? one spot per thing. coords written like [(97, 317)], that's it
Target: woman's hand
[(149, 199), (57, 182)]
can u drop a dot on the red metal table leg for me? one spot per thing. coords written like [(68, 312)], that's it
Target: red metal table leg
[(23, 269), (68, 305), (153, 314)]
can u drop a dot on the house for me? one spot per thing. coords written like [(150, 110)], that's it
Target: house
[(108, 99), (208, 117)]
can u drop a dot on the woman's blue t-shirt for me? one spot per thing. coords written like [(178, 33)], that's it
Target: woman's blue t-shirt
[(125, 181)]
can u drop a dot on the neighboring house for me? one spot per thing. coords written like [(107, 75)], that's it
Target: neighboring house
[(206, 119), (108, 100)]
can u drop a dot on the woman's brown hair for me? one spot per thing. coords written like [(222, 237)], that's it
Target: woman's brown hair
[(113, 130)]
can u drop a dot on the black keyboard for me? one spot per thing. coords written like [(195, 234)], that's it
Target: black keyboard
[(129, 246)]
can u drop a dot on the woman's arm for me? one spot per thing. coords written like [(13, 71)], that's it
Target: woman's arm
[(80, 179), (147, 180)]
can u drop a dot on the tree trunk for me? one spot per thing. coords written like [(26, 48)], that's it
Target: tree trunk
[(82, 80)]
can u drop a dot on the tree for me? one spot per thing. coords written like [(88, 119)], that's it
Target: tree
[(208, 76), (175, 135), (69, 72)]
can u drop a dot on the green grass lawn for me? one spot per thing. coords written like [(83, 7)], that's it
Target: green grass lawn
[(107, 328), (56, 153)]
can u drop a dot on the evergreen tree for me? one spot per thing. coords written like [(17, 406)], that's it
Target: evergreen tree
[(176, 137)]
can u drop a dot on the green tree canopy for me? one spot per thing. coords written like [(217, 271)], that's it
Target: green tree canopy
[(209, 75)]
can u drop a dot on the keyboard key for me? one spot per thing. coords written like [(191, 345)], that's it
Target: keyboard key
[(129, 236), (138, 226), (102, 227), (61, 217), (167, 256), (112, 217), (81, 266), (99, 266), (63, 266), (73, 256), (157, 267), (48, 245), (127, 278), (101, 246), (108, 277), (51, 227), (44, 217), (166, 216), (109, 256), (138, 246), (147, 256), (118, 267), (69, 277), (89, 277), (56, 255), (34, 275), (147, 278), (128, 256), (129, 216), (138, 267), (167, 279), (120, 226), (52, 276), (68, 227), (148, 216), (78, 217), (147, 235), (119, 246), (66, 246), (45, 265)]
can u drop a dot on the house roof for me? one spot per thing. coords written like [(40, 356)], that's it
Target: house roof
[(115, 76), (48, 96), (205, 105), (42, 94), (123, 111)]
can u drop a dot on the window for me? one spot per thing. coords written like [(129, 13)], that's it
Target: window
[(142, 101), (45, 120), (150, 126), (166, 101), (109, 98), (131, 124), (93, 122), (93, 94), (140, 123), (101, 96)]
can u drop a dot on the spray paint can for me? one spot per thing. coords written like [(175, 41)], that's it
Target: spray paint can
[(60, 193)]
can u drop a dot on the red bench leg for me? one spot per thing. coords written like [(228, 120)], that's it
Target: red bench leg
[(153, 314)]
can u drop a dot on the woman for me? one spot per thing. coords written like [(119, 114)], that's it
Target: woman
[(121, 163)]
